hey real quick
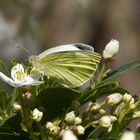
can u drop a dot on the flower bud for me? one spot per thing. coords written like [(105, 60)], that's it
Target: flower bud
[(16, 107), (69, 135), (70, 117), (132, 106), (128, 135), (49, 125), (55, 130), (128, 99), (119, 108), (113, 118), (95, 107), (111, 50), (136, 114), (80, 130), (78, 120), (114, 99), (105, 121), (102, 111), (27, 95), (37, 115), (89, 106)]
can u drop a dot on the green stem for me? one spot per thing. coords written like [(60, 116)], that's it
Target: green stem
[(101, 75), (26, 117), (43, 136)]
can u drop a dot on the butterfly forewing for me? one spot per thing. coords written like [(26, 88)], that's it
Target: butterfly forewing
[(71, 68)]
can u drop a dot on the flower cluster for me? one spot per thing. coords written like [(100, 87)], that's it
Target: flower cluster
[(43, 109)]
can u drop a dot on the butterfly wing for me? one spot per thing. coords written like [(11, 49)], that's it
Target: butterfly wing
[(68, 47), (71, 68)]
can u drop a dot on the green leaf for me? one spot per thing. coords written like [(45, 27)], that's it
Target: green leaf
[(3, 100), (110, 90), (8, 134), (123, 68), (104, 83), (4, 68), (56, 100), (99, 90)]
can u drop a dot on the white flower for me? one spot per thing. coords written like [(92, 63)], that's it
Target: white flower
[(70, 117), (19, 77), (113, 99), (111, 50), (37, 115), (128, 135), (69, 135)]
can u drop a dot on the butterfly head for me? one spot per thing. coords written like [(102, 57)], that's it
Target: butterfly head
[(33, 61)]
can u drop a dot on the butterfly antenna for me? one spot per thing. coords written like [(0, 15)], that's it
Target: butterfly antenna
[(18, 45)]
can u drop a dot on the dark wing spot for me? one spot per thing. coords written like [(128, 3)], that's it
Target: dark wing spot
[(82, 46)]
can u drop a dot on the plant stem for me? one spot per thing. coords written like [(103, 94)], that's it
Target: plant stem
[(26, 116), (41, 131), (102, 72)]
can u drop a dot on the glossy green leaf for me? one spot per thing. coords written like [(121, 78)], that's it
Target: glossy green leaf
[(56, 100), (4, 68), (3, 100), (123, 68)]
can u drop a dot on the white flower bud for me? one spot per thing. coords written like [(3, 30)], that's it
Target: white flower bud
[(95, 107), (113, 118), (132, 101), (105, 121), (111, 50), (114, 99), (37, 115), (102, 111), (69, 135), (78, 120), (27, 95), (128, 99), (136, 114), (49, 125), (80, 130), (128, 135), (119, 108), (132, 106), (70, 117), (55, 130), (89, 106), (16, 107)]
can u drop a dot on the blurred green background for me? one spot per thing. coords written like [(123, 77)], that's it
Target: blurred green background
[(40, 24)]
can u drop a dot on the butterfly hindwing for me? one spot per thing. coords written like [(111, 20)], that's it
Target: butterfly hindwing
[(71, 68)]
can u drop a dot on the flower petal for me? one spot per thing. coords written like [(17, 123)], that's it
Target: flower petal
[(6, 79), (18, 74), (31, 81)]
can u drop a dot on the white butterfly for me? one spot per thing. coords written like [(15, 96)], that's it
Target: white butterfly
[(71, 65)]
